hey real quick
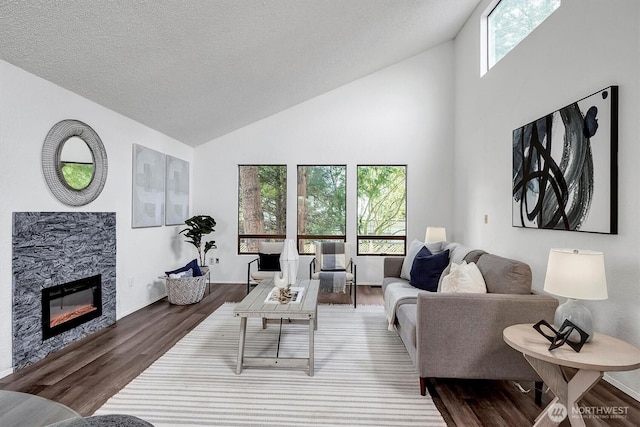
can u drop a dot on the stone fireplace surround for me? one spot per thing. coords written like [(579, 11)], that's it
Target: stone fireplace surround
[(51, 248)]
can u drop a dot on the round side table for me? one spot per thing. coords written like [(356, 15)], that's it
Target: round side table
[(602, 354), (22, 409)]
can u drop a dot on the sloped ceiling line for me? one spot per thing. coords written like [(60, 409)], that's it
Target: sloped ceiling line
[(197, 70)]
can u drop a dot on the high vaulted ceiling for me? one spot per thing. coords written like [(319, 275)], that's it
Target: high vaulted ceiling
[(196, 70)]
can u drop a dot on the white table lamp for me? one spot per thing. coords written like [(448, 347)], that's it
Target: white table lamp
[(435, 234), (577, 275), (289, 260)]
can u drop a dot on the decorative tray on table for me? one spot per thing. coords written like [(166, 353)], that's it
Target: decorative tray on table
[(285, 296)]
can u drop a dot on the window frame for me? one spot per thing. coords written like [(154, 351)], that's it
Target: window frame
[(386, 237), (319, 237), (485, 36), (267, 237)]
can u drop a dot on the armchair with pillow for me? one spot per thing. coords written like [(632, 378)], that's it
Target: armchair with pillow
[(455, 330), (334, 268), (267, 264)]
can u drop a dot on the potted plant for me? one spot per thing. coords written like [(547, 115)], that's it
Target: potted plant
[(197, 227)]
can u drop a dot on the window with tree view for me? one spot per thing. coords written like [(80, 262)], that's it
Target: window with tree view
[(322, 201), (511, 21), (262, 206), (382, 210)]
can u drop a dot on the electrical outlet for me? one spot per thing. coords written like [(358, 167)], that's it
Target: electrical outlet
[(217, 260), (486, 219), (210, 260)]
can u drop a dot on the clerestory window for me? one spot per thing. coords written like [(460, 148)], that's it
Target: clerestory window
[(506, 23)]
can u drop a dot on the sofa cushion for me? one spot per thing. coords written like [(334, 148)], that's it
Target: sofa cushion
[(406, 327), (474, 256), (504, 275), (413, 250), (396, 294), (463, 253), (464, 278), (427, 268), (388, 280), (457, 252)]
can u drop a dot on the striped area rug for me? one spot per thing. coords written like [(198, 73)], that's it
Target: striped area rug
[(363, 376)]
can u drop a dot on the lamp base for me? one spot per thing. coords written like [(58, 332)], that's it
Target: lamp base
[(578, 314)]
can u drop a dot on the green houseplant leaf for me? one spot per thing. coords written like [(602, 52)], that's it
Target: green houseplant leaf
[(199, 226)]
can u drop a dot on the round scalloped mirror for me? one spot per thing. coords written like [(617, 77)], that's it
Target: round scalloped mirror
[(74, 162)]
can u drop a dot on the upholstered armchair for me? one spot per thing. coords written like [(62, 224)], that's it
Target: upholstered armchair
[(266, 265), (334, 268)]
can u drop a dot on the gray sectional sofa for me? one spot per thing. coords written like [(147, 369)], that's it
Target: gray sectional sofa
[(459, 335)]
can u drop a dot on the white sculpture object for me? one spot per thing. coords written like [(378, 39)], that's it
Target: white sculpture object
[(281, 281)]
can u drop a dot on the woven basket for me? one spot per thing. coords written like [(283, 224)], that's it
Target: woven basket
[(186, 290)]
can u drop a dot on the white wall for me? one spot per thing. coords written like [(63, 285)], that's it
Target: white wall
[(400, 115), (585, 46), (29, 106)]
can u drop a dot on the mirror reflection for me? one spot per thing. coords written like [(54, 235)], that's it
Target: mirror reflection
[(76, 163)]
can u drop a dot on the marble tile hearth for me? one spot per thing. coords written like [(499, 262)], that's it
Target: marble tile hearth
[(49, 249)]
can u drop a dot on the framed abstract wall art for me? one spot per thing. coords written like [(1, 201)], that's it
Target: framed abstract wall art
[(148, 187), (177, 191), (565, 173)]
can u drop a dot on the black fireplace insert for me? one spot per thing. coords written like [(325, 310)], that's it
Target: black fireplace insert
[(70, 304)]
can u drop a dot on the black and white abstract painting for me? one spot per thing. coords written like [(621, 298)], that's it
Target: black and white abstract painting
[(565, 167)]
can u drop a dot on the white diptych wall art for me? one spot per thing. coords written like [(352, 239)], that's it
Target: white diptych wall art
[(565, 167), (177, 191), (148, 187)]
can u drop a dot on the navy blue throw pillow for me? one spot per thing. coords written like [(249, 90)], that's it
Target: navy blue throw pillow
[(427, 269), (193, 265), (269, 262)]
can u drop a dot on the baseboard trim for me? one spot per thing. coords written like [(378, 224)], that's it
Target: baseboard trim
[(6, 372), (141, 307), (623, 388)]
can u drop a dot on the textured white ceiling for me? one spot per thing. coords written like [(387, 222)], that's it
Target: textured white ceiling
[(196, 70)]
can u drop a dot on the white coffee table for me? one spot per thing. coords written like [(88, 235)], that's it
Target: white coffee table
[(254, 305)]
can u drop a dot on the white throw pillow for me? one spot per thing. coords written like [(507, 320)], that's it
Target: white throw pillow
[(449, 283), (472, 280), (464, 278)]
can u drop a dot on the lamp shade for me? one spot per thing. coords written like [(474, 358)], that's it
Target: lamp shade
[(435, 234), (576, 274)]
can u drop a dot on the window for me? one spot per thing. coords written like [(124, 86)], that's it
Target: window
[(322, 201), (262, 205), (382, 210), (508, 23)]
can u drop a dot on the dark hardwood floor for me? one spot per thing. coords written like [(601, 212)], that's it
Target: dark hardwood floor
[(86, 373)]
